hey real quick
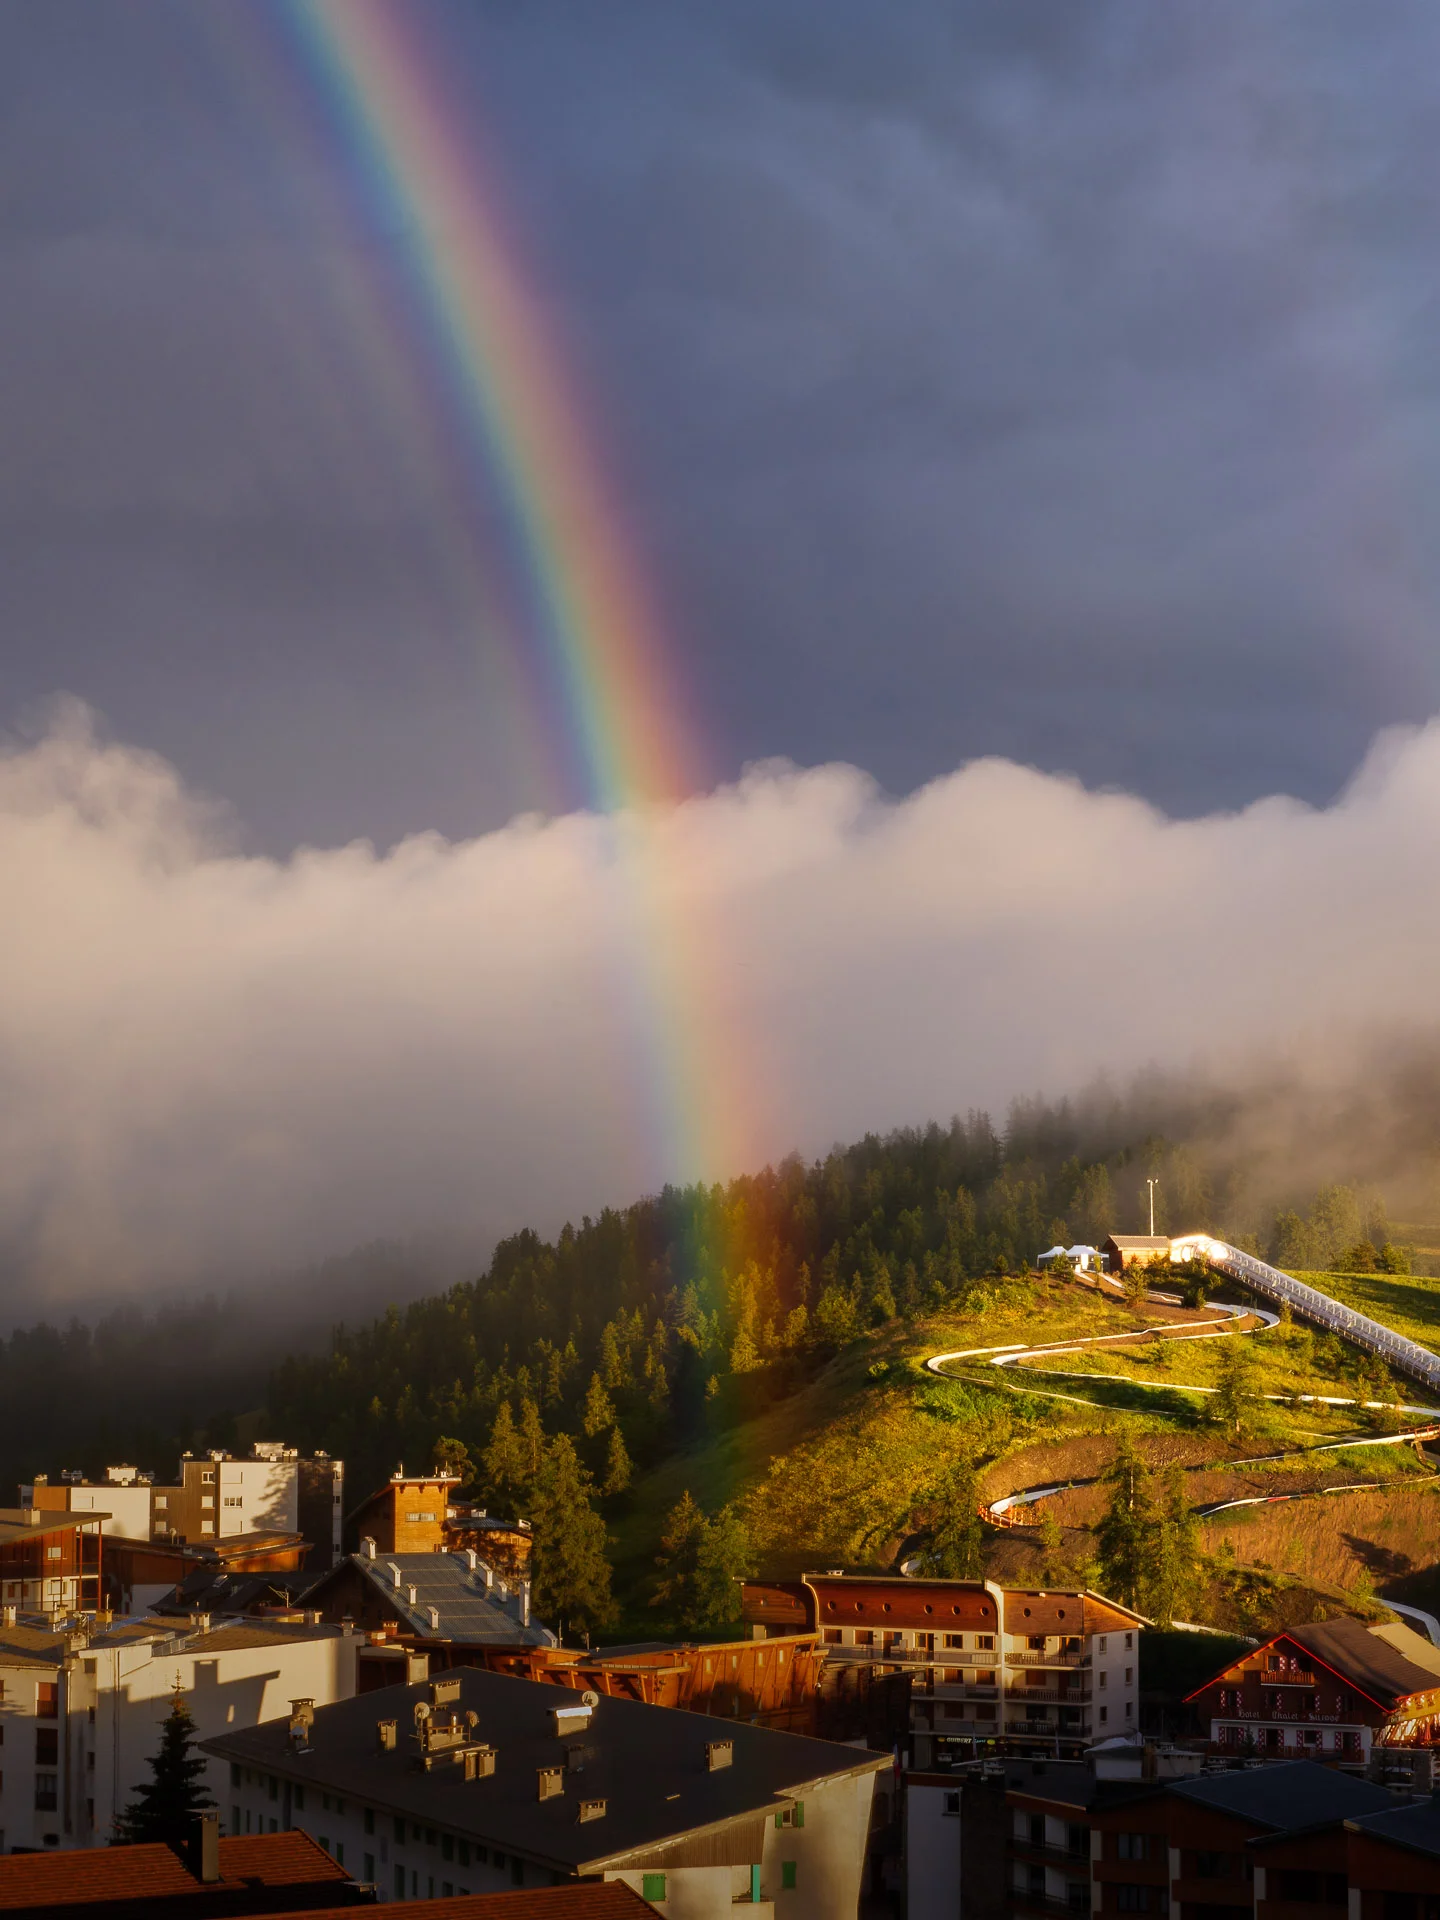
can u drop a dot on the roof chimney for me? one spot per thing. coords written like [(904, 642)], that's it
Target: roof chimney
[(385, 1735), (434, 1615), (201, 1852), (412, 1595), (9, 1614), (394, 1573), (719, 1753), (367, 1547)]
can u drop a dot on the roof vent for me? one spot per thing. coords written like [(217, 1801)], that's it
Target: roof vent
[(434, 1616), (412, 1594), (719, 1753), (394, 1573), (385, 1734), (367, 1548), (550, 1780), (591, 1810), (576, 1718), (479, 1763)]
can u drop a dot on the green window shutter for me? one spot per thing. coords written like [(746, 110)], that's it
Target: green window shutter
[(799, 1813), (787, 1873), (652, 1886)]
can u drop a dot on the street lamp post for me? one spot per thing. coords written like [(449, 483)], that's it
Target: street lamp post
[(1151, 1184)]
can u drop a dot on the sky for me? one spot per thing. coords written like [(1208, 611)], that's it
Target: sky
[(1011, 407)]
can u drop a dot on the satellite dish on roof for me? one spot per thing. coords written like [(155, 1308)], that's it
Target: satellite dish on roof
[(422, 1710), (590, 1699)]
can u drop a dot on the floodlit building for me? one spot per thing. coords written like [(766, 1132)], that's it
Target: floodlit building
[(50, 1563), (478, 1781)]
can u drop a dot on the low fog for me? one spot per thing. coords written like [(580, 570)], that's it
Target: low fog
[(215, 1063)]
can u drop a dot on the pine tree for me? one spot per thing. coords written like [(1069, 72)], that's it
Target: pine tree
[(618, 1470), (744, 1355), (722, 1563), (1233, 1404), (170, 1799), (599, 1410), (452, 1456), (532, 1441), (1055, 1567), (569, 1571), (678, 1588), (956, 1549), (1124, 1533), (1173, 1554), (504, 1458)]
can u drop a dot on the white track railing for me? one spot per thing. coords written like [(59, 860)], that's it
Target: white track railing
[(1407, 1355)]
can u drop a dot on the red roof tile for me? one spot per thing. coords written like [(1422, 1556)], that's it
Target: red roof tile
[(77, 1876), (587, 1900)]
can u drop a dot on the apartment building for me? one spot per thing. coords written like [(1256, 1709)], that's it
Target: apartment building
[(479, 1781), (434, 1596), (81, 1707), (989, 1666), (50, 1563), (217, 1496), (1334, 1688)]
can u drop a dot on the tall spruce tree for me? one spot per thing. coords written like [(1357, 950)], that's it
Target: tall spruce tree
[(1172, 1572), (1124, 1533), (956, 1548), (1235, 1402), (170, 1799), (569, 1571)]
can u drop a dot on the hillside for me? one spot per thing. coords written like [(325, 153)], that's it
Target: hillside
[(761, 1348)]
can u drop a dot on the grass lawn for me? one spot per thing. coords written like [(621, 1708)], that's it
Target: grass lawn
[(1406, 1303)]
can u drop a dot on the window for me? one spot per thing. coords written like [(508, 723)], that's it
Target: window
[(1077, 1839), (1129, 1675), (463, 1853), (1132, 1899), (299, 1798), (1129, 1710), (1037, 1829), (1217, 1866), (832, 1636), (368, 1872), (1129, 1642), (339, 1853), (1103, 1644), (1104, 1679), (787, 1875), (234, 1774), (864, 1637), (954, 1640), (399, 1883), (652, 1886), (47, 1746), (985, 1642), (447, 1846), (46, 1799), (54, 1553), (47, 1700), (1132, 1846), (791, 1816), (952, 1804), (234, 1500), (234, 1820), (1104, 1715), (369, 1819), (1036, 1643)]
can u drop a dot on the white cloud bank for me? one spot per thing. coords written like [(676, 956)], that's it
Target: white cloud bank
[(209, 1061)]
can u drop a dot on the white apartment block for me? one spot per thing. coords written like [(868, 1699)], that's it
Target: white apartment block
[(81, 1710)]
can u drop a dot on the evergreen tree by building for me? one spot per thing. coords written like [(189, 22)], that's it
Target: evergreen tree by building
[(170, 1799), (1234, 1404), (569, 1571), (504, 1458), (956, 1548), (701, 1562), (1124, 1533), (618, 1470)]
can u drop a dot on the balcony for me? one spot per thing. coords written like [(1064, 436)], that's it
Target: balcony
[(1056, 1659), (1050, 1696), (1022, 1901), (1066, 1856)]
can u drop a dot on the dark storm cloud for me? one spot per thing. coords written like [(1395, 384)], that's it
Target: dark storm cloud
[(1009, 377)]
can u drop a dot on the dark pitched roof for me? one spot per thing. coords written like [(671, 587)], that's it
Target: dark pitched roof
[(1416, 1827), (648, 1764), (1370, 1663), (144, 1874), (591, 1900), (208, 1590), (1293, 1795)]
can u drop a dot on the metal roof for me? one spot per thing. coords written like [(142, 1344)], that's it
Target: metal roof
[(467, 1609)]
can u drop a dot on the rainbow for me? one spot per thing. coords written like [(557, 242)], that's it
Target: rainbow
[(507, 380)]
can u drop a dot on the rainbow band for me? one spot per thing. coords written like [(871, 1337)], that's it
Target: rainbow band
[(507, 377)]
